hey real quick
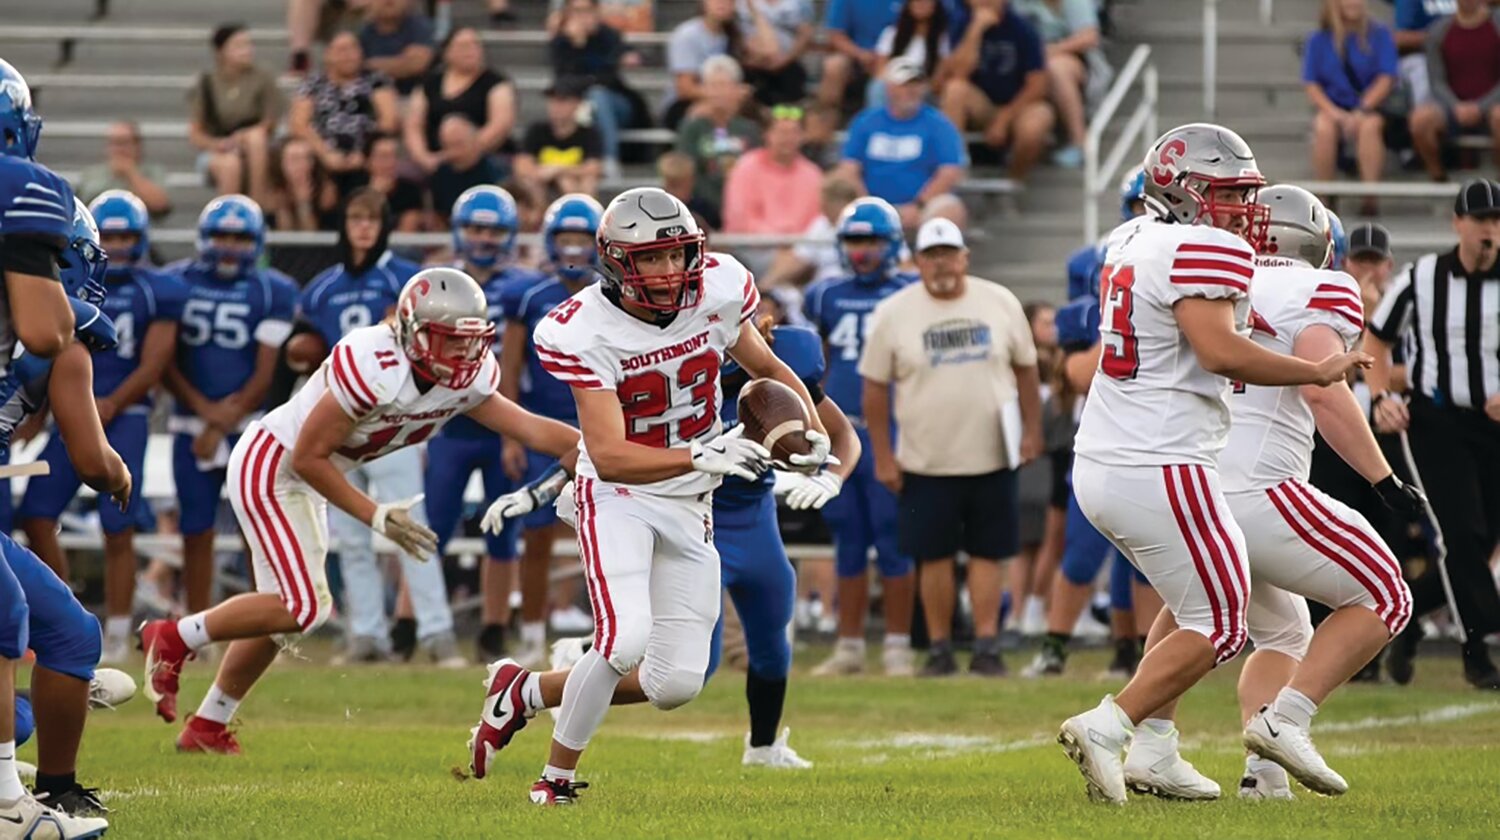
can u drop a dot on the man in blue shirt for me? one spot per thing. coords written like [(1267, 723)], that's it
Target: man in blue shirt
[(397, 40), (864, 514), (998, 84), (235, 317), (145, 306), (853, 28), (906, 152)]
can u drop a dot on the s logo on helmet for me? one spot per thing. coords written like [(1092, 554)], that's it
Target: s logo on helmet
[(1171, 152), (424, 286)]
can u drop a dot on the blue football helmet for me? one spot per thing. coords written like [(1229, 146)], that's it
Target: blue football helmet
[(85, 261), (1340, 241), (20, 125), (487, 207), (870, 218), (231, 214), (1132, 189), (579, 213), (120, 211)]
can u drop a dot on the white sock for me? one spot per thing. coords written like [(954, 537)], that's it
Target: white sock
[(10, 780), (1295, 707), (534, 632), (586, 696), (1158, 726), (1257, 766), (531, 693), (117, 628), (194, 631), (895, 641), (558, 774), (218, 706), (856, 644)]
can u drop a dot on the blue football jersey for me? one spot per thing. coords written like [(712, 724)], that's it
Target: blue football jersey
[(1078, 324), (802, 351), (135, 299), (336, 301), (541, 392), (33, 201), (224, 323), (1083, 270), (839, 309), (494, 294)]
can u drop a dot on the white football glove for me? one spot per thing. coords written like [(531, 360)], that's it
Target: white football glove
[(509, 506), (821, 454), (393, 521), (814, 491), (567, 506), (731, 454)]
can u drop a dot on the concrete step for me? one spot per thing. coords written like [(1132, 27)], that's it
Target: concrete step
[(194, 12)]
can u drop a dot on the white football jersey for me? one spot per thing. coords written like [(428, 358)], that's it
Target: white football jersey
[(1151, 403), (372, 379), (1271, 434), (666, 378)]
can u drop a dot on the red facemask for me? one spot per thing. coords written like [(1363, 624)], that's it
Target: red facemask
[(452, 356), (1257, 216), (688, 282)]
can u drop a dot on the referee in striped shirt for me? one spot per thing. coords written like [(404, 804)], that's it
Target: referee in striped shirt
[(1448, 305)]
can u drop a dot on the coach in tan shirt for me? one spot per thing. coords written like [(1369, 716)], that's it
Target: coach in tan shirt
[(957, 352)]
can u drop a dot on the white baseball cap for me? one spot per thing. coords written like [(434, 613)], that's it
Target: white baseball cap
[(937, 232)]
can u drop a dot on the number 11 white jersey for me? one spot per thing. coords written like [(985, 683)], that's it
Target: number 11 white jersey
[(1150, 402)]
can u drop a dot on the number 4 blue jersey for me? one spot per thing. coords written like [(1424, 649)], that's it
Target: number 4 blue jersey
[(526, 304), (494, 293), (33, 201), (802, 351), (839, 309), (135, 298), (336, 301), (224, 323)]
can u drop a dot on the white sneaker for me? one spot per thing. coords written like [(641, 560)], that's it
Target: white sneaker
[(802, 614), (1096, 741), (1277, 739), (442, 649), (530, 655), (828, 625), (571, 620), (778, 755), (1154, 766), (1269, 783), (1088, 627), (565, 654), (110, 688), (1034, 617), (898, 661), (846, 659), (116, 650), (28, 819)]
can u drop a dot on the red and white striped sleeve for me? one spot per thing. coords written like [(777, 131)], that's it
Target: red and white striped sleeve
[(354, 379), (554, 343), (1336, 302), (750, 298), (1211, 267)]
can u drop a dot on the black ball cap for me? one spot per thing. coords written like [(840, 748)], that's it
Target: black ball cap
[(1479, 197)]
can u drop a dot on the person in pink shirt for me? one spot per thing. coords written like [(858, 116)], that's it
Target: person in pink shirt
[(774, 189)]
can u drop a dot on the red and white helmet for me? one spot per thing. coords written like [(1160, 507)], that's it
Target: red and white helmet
[(1186, 165), (442, 322)]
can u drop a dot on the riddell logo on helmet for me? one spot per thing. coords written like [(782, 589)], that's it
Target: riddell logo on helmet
[(671, 231)]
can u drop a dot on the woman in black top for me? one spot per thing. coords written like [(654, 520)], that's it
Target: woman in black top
[(587, 48), (464, 85), (340, 109)]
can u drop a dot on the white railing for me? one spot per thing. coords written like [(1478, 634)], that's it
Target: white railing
[(1099, 176), (1210, 58)]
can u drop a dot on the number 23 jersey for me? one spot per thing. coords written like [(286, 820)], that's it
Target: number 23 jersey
[(666, 378), (1150, 402)]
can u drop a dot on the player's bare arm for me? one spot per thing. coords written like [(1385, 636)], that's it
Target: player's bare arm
[(532, 431), (1079, 368), (228, 412), (512, 360), (39, 305), (754, 355), (156, 356), (326, 429), (615, 458), (71, 394), (1337, 412), (1209, 328), (845, 442)]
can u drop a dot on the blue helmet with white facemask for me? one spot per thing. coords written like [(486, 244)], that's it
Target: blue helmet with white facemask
[(121, 211), (1132, 189), (84, 262), (20, 125), (485, 206), (1340, 241), (871, 218), (236, 215), (577, 213)]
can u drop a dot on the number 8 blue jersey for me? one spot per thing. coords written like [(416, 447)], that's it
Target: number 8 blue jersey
[(224, 323), (839, 309), (337, 302)]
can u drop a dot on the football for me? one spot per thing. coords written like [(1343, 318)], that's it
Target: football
[(305, 351), (775, 417)]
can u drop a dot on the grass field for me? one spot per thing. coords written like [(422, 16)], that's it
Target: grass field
[(374, 752)]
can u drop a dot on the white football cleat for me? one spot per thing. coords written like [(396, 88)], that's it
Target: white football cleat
[(1096, 741), (28, 819), (110, 688), (1277, 739), (530, 655), (898, 661), (846, 659), (1269, 783), (1154, 766), (777, 755)]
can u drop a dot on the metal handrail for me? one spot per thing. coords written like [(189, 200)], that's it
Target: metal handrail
[(1097, 176), (1210, 58)]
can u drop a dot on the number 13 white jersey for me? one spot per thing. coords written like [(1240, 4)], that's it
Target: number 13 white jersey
[(1151, 403), (666, 378)]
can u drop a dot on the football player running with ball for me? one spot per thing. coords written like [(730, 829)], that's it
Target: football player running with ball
[(383, 388), (1174, 305), (641, 350)]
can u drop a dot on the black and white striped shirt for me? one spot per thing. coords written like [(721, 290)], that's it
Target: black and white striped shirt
[(1454, 324)]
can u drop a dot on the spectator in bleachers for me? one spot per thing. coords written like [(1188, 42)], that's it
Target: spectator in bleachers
[(1349, 68), (234, 109), (301, 28), (906, 151), (694, 42), (302, 196), (853, 29), (402, 196), (338, 110), (919, 34), (464, 165), (774, 189), (816, 256), (621, 15), (997, 83), (500, 13), (777, 34), (679, 174), (820, 135), (1413, 17), (1075, 64), (463, 84), (397, 40), (124, 168), (716, 139), (1463, 68), (586, 48), (557, 154)]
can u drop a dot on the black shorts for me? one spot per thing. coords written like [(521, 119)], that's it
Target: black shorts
[(977, 514), (1062, 465)]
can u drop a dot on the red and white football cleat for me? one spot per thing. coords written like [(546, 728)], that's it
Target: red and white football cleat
[(165, 652), (556, 792), (504, 714), (205, 736)]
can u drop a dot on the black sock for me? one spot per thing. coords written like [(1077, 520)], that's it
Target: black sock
[(59, 784), (1126, 652), (1056, 644), (987, 646), (766, 698), (1477, 656), (940, 647)]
